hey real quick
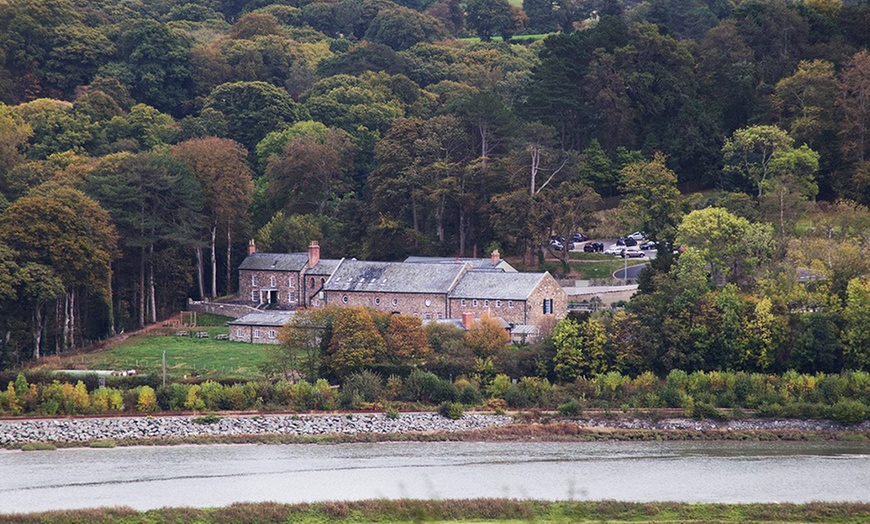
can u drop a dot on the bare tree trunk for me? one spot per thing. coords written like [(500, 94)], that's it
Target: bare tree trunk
[(142, 288), (463, 236), (200, 280), (439, 218), (213, 262), (229, 289), (152, 292), (37, 330), (66, 320)]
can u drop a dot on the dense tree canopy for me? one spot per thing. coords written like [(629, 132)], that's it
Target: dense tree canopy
[(737, 130)]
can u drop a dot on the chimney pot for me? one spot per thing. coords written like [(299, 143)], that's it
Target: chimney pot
[(252, 247)]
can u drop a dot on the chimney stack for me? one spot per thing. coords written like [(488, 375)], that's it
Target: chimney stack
[(467, 319), (252, 247), (495, 257), (313, 253)]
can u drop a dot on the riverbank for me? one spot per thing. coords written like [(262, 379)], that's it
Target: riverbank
[(474, 510), (376, 427)]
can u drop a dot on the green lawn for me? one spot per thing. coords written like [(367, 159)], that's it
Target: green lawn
[(205, 357), (592, 265)]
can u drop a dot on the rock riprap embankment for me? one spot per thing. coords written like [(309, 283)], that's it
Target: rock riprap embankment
[(174, 427)]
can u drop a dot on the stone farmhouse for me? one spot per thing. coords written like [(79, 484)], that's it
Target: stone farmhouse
[(433, 289)]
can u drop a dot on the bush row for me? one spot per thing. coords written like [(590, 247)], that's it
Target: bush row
[(842, 397)]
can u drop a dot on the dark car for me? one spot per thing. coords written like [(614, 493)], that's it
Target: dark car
[(593, 247), (627, 241), (646, 246), (579, 237)]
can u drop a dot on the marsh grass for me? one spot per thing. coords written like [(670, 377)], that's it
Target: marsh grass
[(468, 511), (38, 446)]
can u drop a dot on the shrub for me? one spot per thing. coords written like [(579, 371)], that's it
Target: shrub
[(570, 409), (193, 401), (101, 444), (705, 410), (367, 384), (147, 401), (212, 394), (451, 410), (849, 412), (470, 395), (206, 419), (391, 413), (420, 386)]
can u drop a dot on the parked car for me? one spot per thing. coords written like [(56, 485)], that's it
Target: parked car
[(579, 237), (627, 241), (557, 245), (646, 246), (632, 252), (593, 247), (614, 250), (638, 235)]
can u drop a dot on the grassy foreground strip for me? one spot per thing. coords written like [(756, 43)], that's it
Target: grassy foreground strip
[(473, 510)]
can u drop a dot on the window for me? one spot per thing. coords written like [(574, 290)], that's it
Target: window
[(290, 281), (271, 333), (510, 303), (322, 281), (486, 303), (440, 316), (427, 316), (254, 280), (312, 282), (292, 297), (254, 296), (240, 333), (428, 302), (272, 282), (498, 303), (344, 299), (474, 303), (462, 302), (256, 333), (377, 301), (395, 301), (548, 306)]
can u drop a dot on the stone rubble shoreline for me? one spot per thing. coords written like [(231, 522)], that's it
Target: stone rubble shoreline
[(15, 432), (27, 431)]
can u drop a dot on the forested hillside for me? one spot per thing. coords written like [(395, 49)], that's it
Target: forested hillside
[(143, 142)]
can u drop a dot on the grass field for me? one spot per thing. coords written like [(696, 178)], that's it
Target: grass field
[(466, 511), (185, 355)]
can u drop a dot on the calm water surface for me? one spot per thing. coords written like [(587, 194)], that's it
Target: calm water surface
[(218, 475)]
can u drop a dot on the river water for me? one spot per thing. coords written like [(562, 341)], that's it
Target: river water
[(218, 475)]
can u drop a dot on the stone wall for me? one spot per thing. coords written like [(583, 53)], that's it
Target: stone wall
[(287, 296), (220, 308), (255, 334), (416, 304), (547, 289), (512, 311)]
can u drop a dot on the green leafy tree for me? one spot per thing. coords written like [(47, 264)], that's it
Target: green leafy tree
[(489, 17), (402, 28), (750, 151), (857, 332), (252, 109), (301, 344), (580, 348), (652, 198)]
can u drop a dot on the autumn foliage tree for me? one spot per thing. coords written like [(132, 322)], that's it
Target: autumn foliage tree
[(355, 342), (222, 170)]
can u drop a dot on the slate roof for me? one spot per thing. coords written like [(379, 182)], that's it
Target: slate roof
[(393, 277), (267, 319), (477, 264), (324, 267), (497, 286), (275, 262)]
